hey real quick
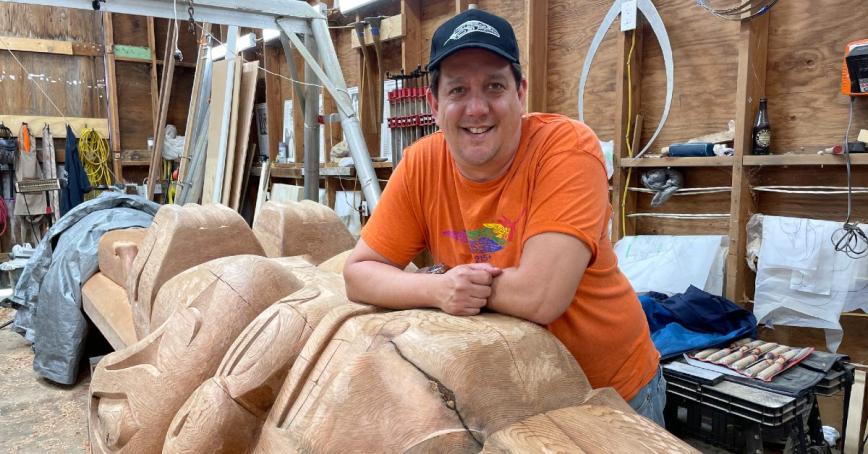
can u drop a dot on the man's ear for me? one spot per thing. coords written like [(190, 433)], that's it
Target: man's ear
[(522, 91), (432, 103)]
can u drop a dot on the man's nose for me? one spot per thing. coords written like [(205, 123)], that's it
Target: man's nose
[(476, 105)]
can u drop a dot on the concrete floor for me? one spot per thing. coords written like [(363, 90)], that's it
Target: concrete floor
[(37, 416)]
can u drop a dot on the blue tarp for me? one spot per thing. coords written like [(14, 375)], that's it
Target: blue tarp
[(48, 293), (694, 319)]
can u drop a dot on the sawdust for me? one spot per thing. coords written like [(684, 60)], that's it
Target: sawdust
[(38, 416)]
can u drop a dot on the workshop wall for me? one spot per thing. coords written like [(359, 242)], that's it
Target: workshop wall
[(76, 84)]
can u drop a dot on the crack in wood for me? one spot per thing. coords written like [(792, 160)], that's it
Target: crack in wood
[(446, 394)]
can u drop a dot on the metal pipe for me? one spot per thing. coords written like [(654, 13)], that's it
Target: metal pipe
[(311, 127), (349, 120)]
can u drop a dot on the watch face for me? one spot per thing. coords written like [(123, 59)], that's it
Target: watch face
[(763, 137)]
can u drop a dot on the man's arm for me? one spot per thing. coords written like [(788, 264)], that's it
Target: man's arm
[(542, 286), (371, 278)]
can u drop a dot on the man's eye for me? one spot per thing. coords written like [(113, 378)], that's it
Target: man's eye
[(496, 86), (456, 91)]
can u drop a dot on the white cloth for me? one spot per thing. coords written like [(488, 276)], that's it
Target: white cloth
[(802, 281)]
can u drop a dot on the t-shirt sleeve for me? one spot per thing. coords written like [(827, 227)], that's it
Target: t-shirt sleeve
[(570, 194), (395, 229)]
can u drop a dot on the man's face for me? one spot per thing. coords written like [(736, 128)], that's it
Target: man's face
[(479, 110)]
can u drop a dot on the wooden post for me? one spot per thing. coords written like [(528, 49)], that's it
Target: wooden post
[(460, 5), (111, 82), (152, 43), (411, 47), (273, 99), (752, 50), (625, 113), (536, 53), (165, 96)]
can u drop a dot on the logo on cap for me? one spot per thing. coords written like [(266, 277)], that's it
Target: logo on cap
[(470, 27)]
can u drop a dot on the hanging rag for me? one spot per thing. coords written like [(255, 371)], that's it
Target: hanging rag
[(77, 184), (665, 182), (49, 170)]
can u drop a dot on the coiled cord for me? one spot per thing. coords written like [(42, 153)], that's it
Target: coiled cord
[(95, 157), (850, 239)]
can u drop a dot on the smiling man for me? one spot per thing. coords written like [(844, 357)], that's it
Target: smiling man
[(516, 206)]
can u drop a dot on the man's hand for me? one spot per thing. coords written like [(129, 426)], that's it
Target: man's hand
[(466, 288)]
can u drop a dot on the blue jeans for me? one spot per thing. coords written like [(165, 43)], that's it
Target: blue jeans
[(651, 399)]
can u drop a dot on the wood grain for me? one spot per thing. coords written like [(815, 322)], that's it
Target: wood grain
[(587, 428), (105, 303), (806, 47), (143, 386)]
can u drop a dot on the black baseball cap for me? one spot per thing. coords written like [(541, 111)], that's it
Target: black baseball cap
[(473, 28)]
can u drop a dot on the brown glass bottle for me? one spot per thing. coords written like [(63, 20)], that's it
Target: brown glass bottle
[(762, 130)]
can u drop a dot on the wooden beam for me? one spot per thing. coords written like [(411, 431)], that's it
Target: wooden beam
[(48, 46), (160, 126), (411, 47), (625, 113), (193, 112), (709, 161), (460, 5), (112, 87), (271, 56), (803, 160), (752, 52), (390, 28), (152, 43), (58, 124), (536, 53)]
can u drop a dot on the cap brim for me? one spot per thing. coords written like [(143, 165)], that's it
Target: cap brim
[(485, 46)]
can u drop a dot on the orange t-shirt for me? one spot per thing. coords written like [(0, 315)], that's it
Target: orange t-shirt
[(556, 183)]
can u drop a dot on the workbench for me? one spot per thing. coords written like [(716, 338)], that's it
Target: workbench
[(332, 177), (739, 417)]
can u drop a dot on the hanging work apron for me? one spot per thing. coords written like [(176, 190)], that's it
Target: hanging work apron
[(27, 168)]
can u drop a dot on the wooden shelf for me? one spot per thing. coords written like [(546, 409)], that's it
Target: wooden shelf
[(296, 170), (132, 163), (710, 161), (804, 159), (132, 59)]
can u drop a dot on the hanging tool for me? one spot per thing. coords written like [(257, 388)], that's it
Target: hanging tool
[(656, 22), (854, 69)]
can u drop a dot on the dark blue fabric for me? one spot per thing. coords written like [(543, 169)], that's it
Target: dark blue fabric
[(694, 319), (77, 184)]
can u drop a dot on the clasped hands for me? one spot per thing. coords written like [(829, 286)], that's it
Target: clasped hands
[(465, 289)]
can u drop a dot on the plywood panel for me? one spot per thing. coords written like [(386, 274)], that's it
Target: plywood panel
[(806, 46), (182, 89), (706, 67), (245, 116), (70, 82), (433, 14), (130, 30), (512, 11), (186, 40), (32, 21), (571, 26), (134, 104), (828, 207), (218, 95)]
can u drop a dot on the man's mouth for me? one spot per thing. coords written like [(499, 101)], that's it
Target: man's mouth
[(481, 130)]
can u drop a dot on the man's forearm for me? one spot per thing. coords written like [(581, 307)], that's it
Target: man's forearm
[(384, 285), (512, 295)]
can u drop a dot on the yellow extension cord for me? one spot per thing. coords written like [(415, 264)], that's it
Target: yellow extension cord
[(95, 157), (627, 138)]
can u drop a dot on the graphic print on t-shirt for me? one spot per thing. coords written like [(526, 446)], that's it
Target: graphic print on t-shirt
[(488, 239)]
